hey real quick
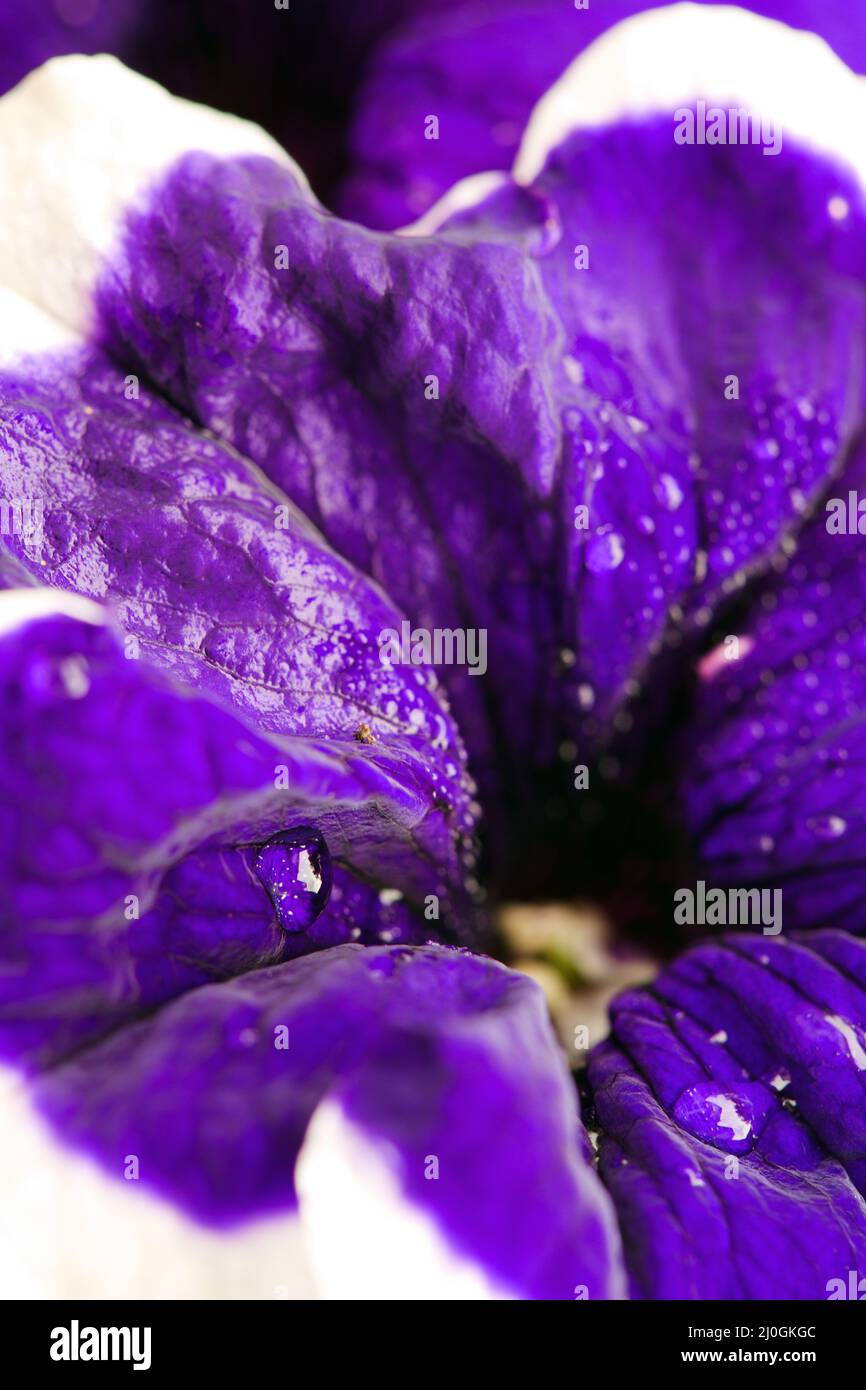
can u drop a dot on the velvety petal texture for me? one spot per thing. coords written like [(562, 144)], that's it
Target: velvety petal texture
[(292, 507), (634, 479), (698, 425), (134, 816), (349, 367), (730, 1098), (211, 569), (385, 385), (442, 1064)]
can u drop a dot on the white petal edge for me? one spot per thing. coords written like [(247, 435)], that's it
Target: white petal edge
[(662, 59), (19, 607), (81, 140), (26, 329), (69, 1230), (365, 1239), (465, 193)]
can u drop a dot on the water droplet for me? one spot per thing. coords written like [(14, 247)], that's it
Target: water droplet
[(827, 827), (49, 679), (853, 1039), (547, 233), (573, 369), (766, 449), (75, 676), (728, 1117), (295, 870), (669, 492), (605, 552)]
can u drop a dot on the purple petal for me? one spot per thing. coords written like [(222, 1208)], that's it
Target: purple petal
[(134, 815), (730, 1100), (32, 31), (681, 495), (220, 580), (437, 1063), (321, 372), (480, 68), (319, 367), (773, 785), (626, 413)]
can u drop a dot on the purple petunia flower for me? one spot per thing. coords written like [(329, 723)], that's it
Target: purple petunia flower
[(356, 583)]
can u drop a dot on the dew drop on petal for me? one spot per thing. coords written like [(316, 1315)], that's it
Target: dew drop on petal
[(827, 827), (766, 449), (295, 869), (547, 233), (724, 1116), (669, 492), (605, 552), (853, 1039)]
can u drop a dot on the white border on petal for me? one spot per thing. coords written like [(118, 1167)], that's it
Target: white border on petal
[(662, 59), (68, 1229), (18, 607), (25, 328), (466, 193), (364, 1238), (81, 140)]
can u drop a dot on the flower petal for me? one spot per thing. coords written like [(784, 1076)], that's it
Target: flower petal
[(133, 813), (772, 785), (376, 380), (441, 1065), (479, 68), (723, 1097), (357, 368), (698, 424), (384, 386)]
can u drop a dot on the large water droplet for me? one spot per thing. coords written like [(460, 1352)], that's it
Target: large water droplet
[(728, 1117), (295, 869)]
